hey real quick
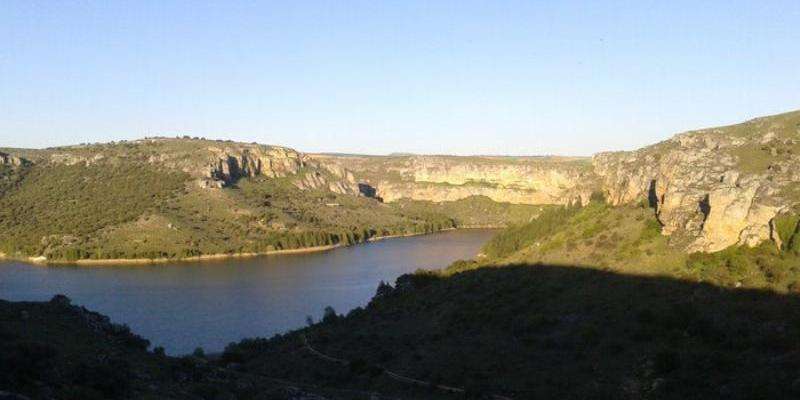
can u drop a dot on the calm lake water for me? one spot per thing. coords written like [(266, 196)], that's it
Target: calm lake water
[(209, 304)]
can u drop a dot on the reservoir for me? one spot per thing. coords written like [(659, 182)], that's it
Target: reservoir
[(208, 304)]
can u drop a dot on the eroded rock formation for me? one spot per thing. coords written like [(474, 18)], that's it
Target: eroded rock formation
[(216, 164), (712, 188), (229, 163), (522, 180), (10, 160)]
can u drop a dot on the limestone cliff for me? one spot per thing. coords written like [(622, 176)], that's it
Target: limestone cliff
[(712, 188), (212, 164), (10, 160), (521, 180), (229, 163)]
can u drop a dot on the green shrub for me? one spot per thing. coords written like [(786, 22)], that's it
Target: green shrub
[(199, 352), (66, 203), (787, 226), (329, 315), (652, 230), (519, 237)]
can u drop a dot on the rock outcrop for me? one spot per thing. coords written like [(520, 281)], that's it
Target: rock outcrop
[(229, 163), (521, 180), (215, 164), (10, 160), (712, 188)]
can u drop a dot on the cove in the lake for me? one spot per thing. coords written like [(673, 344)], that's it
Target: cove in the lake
[(185, 305)]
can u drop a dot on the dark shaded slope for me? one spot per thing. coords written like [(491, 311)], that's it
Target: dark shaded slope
[(54, 350), (552, 332)]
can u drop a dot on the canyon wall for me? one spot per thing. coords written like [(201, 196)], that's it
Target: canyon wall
[(709, 189), (212, 164), (522, 180), (712, 188), (229, 163)]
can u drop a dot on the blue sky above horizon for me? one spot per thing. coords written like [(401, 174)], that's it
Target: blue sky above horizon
[(446, 77)]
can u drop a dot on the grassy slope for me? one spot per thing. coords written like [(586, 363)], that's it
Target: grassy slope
[(475, 211), (628, 240), (755, 157)]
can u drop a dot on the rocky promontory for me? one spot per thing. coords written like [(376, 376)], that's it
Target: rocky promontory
[(713, 188)]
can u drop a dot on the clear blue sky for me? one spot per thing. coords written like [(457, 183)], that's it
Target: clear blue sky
[(460, 77)]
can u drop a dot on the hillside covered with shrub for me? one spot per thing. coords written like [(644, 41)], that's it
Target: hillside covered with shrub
[(539, 331), (178, 198), (628, 240)]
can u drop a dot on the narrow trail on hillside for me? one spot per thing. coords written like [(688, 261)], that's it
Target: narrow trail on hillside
[(394, 375)]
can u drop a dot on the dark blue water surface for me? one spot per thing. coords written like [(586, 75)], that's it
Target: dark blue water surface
[(209, 304)]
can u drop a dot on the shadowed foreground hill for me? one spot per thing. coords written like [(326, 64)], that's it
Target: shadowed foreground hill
[(55, 350), (520, 332), (553, 332)]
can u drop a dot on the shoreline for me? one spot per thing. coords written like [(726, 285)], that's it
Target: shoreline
[(220, 256)]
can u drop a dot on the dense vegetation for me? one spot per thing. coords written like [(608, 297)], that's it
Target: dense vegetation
[(51, 350), (56, 209), (260, 215), (474, 211), (551, 332), (55, 350), (788, 227), (10, 177), (521, 236)]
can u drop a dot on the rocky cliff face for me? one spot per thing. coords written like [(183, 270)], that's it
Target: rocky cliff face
[(213, 164), (11, 161), (712, 188), (229, 163), (529, 180)]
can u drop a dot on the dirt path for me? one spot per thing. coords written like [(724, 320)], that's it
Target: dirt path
[(394, 375)]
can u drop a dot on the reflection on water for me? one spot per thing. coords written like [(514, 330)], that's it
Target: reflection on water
[(209, 304)]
